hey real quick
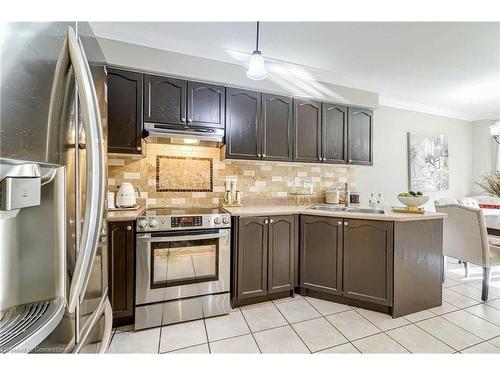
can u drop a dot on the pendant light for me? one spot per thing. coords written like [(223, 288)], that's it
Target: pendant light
[(256, 68)]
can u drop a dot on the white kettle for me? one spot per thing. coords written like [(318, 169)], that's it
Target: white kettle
[(125, 197)]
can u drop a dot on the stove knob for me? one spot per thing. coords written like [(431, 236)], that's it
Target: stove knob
[(217, 220), (142, 223), (153, 223), (225, 220)]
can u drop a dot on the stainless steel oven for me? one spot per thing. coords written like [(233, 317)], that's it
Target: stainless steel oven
[(182, 267)]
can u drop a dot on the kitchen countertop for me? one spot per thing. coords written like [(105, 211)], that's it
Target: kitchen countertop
[(270, 210), (126, 215)]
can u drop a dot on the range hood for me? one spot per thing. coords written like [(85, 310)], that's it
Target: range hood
[(192, 135)]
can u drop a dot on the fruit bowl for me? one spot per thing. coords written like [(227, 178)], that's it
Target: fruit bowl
[(413, 201)]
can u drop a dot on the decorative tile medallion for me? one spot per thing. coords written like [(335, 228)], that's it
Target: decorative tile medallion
[(184, 174)]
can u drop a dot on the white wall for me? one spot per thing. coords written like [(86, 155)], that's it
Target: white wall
[(389, 174), (176, 64), (483, 156)]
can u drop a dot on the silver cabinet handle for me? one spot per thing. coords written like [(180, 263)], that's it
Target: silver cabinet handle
[(190, 120), (183, 119), (266, 221), (139, 148), (263, 155), (271, 221), (259, 155), (129, 227), (339, 222), (346, 223), (94, 200), (319, 159)]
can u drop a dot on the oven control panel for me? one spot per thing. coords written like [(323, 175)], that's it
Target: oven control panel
[(186, 221)]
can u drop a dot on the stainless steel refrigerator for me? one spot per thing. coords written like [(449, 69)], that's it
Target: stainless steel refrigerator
[(53, 243)]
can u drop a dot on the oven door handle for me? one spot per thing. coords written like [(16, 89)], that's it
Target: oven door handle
[(148, 238)]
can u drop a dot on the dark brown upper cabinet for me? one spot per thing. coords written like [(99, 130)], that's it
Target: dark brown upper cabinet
[(165, 100), (276, 128), (243, 113), (121, 247), (368, 260), (206, 105), (265, 251), (360, 136), (124, 111), (321, 253), (334, 133), (307, 131), (252, 257)]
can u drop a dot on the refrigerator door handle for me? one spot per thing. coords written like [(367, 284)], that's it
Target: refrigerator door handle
[(108, 327), (94, 185), (99, 173)]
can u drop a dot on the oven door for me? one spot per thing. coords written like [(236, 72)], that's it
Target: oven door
[(173, 265)]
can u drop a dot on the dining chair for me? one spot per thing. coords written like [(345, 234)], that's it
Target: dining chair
[(465, 238)]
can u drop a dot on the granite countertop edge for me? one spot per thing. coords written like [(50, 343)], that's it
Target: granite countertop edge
[(389, 215), (129, 215)]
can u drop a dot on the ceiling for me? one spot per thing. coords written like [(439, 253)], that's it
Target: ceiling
[(448, 68)]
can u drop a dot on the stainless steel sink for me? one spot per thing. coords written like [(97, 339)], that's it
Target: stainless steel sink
[(322, 207)]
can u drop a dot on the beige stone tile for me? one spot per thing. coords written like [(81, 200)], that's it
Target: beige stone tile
[(280, 340), (457, 299), (145, 341), (495, 341), (198, 349), (226, 326), (182, 335), (416, 340), (318, 334), (451, 334), (240, 344), (483, 348), (486, 312), (443, 309), (296, 311), (382, 321), (263, 317), (327, 307), (418, 316), (352, 325), (380, 343), (473, 324), (471, 292), (340, 349)]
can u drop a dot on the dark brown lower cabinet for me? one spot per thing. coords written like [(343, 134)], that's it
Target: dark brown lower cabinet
[(368, 260), (352, 258), (265, 252), (321, 253), (121, 246)]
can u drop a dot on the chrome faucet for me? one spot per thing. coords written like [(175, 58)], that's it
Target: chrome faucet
[(347, 195)]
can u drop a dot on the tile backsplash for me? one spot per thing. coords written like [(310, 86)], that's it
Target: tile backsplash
[(257, 180)]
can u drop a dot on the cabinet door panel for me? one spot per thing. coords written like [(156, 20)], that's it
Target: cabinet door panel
[(252, 257), (206, 105), (243, 118), (124, 111), (334, 133), (321, 254), (368, 260), (165, 100), (307, 131), (276, 127), (121, 247), (281, 253), (360, 136)]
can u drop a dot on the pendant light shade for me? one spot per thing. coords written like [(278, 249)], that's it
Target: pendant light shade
[(256, 66)]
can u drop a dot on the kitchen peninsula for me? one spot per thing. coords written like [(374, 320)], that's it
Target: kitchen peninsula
[(389, 262)]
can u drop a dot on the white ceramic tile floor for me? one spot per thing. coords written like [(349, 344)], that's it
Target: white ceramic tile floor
[(462, 324)]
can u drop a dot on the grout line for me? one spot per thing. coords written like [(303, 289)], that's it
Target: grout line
[(251, 332), (291, 326), (206, 335)]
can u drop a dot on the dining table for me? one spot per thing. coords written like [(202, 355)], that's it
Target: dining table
[(493, 224)]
